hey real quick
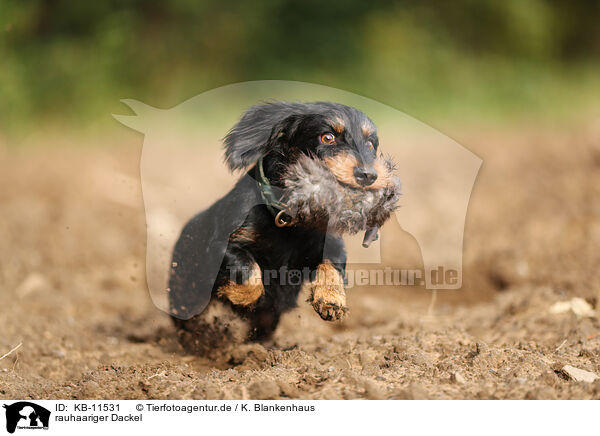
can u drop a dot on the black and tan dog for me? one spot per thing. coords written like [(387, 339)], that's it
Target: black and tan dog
[(314, 172)]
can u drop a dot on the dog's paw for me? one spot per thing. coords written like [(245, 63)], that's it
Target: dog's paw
[(329, 311), (328, 297), (244, 294)]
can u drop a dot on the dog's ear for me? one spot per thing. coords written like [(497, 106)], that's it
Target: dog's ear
[(257, 131)]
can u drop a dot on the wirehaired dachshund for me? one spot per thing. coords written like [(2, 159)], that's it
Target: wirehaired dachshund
[(312, 172)]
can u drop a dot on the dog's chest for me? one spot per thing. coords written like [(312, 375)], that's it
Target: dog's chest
[(290, 247)]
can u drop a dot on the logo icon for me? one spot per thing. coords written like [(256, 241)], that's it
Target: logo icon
[(172, 197), (26, 415)]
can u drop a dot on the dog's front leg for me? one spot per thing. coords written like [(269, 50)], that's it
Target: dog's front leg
[(327, 295), (243, 284)]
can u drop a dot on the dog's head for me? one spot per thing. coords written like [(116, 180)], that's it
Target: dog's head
[(324, 157)]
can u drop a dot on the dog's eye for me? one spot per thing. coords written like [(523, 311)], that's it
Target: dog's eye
[(327, 138), (370, 145)]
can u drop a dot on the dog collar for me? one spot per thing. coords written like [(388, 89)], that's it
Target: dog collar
[(277, 208)]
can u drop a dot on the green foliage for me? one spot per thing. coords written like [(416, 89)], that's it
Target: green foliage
[(73, 60)]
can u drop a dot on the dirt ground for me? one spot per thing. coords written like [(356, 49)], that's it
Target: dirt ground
[(73, 292)]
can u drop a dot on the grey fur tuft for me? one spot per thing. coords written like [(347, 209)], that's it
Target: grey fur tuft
[(316, 198)]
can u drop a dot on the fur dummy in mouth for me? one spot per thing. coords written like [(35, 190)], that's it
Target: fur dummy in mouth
[(315, 198)]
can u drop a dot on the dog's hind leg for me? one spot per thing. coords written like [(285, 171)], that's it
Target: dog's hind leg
[(213, 331), (242, 283), (225, 322)]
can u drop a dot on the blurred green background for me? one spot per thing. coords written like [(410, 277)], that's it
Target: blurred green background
[(66, 63)]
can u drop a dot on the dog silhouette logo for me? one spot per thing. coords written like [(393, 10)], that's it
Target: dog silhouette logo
[(183, 144), (26, 415)]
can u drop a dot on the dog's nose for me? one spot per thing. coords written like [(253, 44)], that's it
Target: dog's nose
[(365, 176)]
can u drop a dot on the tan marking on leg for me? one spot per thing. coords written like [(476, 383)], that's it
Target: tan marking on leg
[(342, 166), (247, 293), (328, 297)]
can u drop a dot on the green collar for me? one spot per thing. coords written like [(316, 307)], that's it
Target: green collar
[(273, 203)]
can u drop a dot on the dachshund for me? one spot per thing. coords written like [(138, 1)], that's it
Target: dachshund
[(312, 172)]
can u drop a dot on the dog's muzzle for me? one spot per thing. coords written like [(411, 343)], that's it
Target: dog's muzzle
[(315, 197), (365, 176)]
